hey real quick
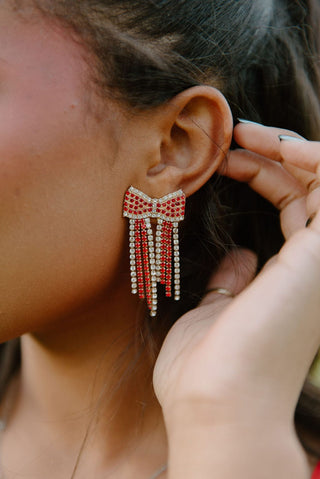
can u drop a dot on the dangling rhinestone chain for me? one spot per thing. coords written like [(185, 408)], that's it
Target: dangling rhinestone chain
[(154, 261)]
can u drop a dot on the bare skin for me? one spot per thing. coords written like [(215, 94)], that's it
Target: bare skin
[(65, 259), (63, 174), (67, 159), (263, 341)]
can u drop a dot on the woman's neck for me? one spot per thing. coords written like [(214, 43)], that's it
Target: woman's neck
[(87, 384)]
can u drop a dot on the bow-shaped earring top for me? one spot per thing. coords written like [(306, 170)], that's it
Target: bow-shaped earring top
[(154, 260), (138, 205)]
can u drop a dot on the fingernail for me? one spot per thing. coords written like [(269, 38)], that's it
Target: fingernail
[(290, 138), (248, 122)]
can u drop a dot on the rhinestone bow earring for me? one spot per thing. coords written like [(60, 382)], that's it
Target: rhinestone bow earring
[(152, 260)]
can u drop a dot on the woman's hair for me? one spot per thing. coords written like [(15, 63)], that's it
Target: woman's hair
[(262, 55)]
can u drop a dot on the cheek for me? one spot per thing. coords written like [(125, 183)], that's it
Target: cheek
[(61, 225), (61, 242), (60, 216)]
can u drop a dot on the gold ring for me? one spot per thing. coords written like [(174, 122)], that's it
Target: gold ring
[(223, 291)]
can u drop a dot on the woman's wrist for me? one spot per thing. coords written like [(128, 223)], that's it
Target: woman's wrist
[(204, 445)]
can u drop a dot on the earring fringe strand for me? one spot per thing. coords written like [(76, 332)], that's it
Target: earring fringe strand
[(152, 260)]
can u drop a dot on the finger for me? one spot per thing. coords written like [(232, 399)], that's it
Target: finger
[(304, 154), (235, 272), (276, 319), (265, 141), (294, 217), (306, 178), (313, 202), (274, 183), (264, 176), (261, 139)]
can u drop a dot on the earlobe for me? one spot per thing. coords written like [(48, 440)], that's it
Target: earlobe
[(187, 140), (197, 130)]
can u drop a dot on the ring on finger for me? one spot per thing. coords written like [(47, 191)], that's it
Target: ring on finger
[(222, 291)]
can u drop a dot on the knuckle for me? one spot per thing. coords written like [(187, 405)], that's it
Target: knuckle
[(313, 184), (287, 198)]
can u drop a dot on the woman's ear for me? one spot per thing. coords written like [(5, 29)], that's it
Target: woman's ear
[(196, 130)]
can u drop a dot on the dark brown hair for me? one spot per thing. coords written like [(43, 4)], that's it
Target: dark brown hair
[(262, 55)]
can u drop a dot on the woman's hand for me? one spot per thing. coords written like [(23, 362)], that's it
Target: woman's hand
[(230, 371), (285, 173)]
